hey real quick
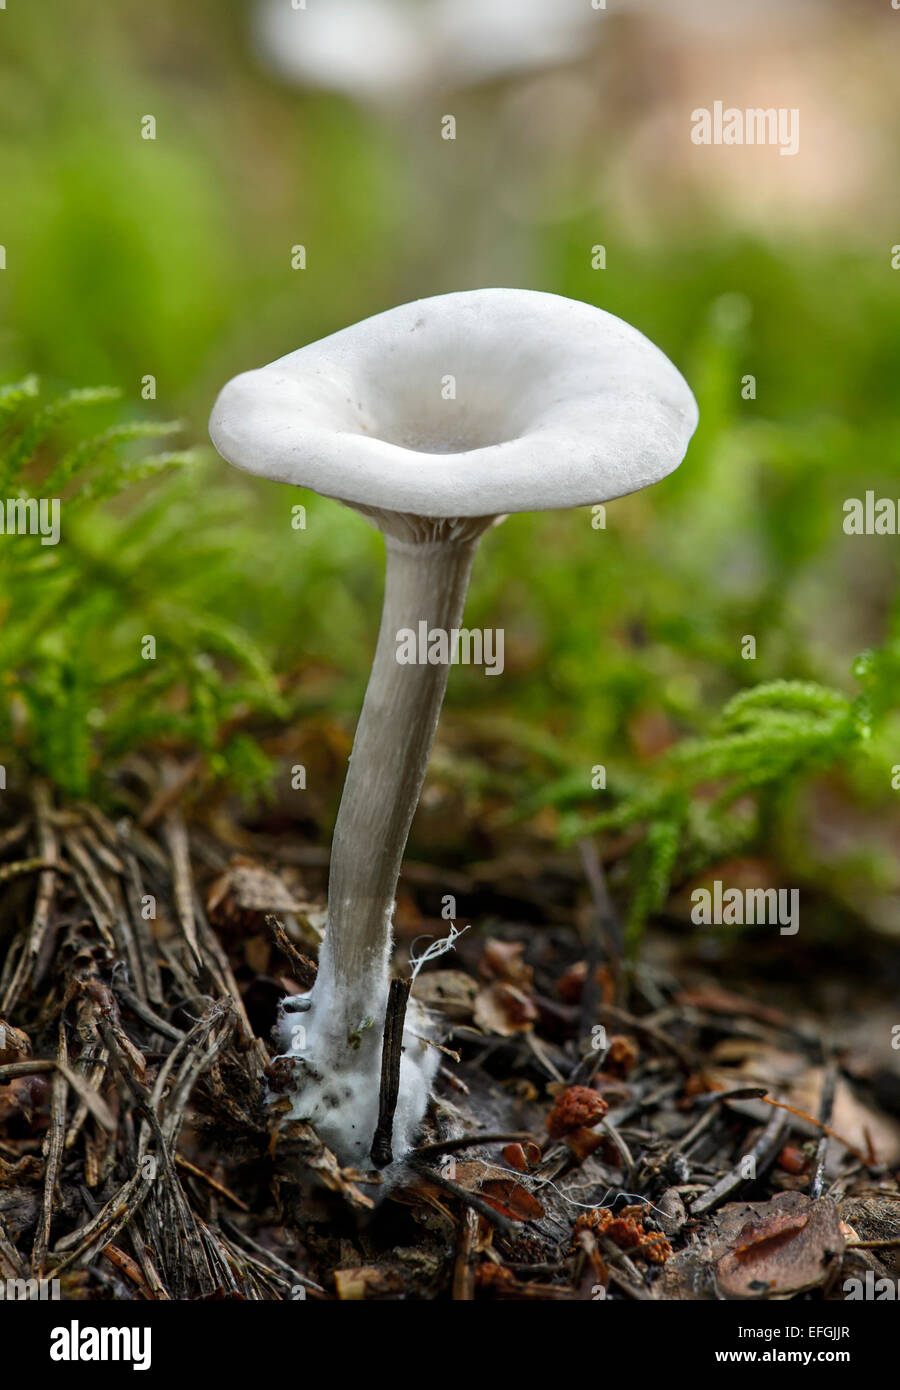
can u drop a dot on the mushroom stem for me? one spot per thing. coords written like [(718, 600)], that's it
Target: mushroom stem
[(426, 581)]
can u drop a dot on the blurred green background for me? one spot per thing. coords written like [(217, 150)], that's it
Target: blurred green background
[(171, 257)]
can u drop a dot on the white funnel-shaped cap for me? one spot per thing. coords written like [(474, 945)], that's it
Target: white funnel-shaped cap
[(471, 404)]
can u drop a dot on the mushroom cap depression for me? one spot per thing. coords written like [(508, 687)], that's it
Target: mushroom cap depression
[(478, 403)]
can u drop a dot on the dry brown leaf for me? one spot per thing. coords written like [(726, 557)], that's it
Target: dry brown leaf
[(14, 1044), (26, 1170), (246, 891), (782, 1252), (503, 960), (512, 1199), (452, 992), (25, 1099), (522, 1157), (503, 1009)]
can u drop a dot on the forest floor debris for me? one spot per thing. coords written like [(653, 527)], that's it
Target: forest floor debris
[(601, 1130)]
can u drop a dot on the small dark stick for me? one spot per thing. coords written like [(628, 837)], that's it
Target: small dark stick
[(826, 1106), (392, 1050), (763, 1154), (303, 969)]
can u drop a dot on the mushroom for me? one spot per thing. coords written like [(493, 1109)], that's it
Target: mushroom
[(434, 420), (385, 50)]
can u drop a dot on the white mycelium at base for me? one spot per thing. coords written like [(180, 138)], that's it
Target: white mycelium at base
[(338, 1042)]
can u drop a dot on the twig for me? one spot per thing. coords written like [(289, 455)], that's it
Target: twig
[(832, 1134), (629, 1279), (391, 1054), (140, 1093), (469, 1141), (10, 1070), (92, 888), (621, 1148), (633, 1290), (53, 1150), (242, 1236), (179, 848), (89, 1096), (640, 1026), (709, 1104), (196, 1052), (187, 1167), (302, 968), (91, 1071), (539, 1052), (469, 1199), (21, 867), (10, 1260), (146, 1014), (219, 966), (175, 784), (134, 895), (826, 1107), (762, 1154), (154, 1283), (130, 1268), (14, 836), (464, 1264), (85, 1243), (28, 961)]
